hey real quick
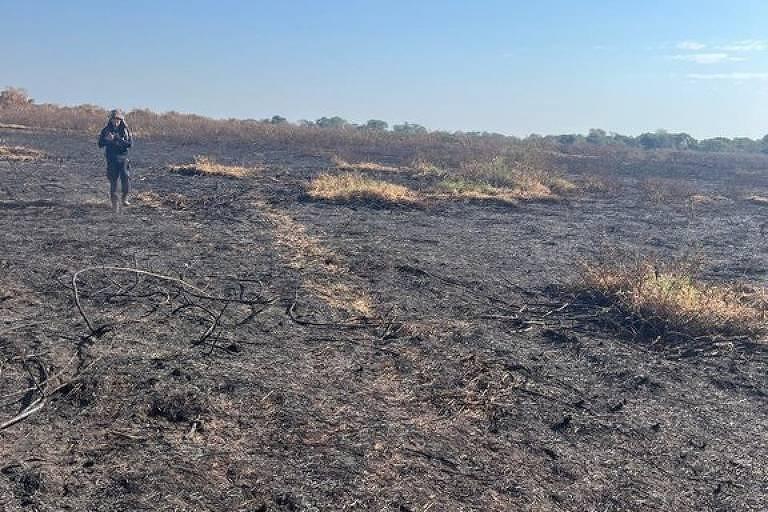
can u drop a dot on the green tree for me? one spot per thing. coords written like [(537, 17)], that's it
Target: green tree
[(597, 136), (14, 97), (376, 125), (409, 128), (332, 122)]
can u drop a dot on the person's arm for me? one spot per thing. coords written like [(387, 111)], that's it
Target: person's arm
[(127, 140), (122, 139), (103, 138)]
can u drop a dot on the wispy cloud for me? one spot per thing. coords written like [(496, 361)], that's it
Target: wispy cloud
[(746, 45), (706, 58), (740, 46), (690, 45), (735, 77)]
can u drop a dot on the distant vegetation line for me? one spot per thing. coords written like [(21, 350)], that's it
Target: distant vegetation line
[(16, 107)]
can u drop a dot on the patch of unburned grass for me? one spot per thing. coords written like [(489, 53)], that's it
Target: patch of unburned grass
[(20, 154), (6, 126), (460, 188), (758, 200), (207, 166), (154, 200), (665, 190), (599, 184), (517, 179), (425, 167), (654, 299), (352, 187), (524, 190), (702, 200), (343, 165)]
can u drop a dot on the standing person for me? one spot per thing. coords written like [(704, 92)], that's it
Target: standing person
[(116, 138)]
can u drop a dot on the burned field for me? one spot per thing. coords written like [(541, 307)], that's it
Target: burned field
[(235, 342)]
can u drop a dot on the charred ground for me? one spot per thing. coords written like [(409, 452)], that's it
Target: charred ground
[(293, 354)]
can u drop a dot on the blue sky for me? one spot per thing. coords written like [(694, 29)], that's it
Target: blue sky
[(515, 67)]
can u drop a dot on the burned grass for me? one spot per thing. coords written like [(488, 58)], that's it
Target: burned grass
[(207, 166), (471, 388), (656, 300)]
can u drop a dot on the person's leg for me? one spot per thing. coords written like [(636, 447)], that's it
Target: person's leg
[(112, 175), (125, 181)]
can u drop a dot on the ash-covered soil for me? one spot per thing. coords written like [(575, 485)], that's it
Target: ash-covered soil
[(253, 350)]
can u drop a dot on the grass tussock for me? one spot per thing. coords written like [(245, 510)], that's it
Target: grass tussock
[(702, 200), (425, 167), (655, 300), (172, 201), (665, 190), (526, 189), (344, 165), (599, 184), (758, 200), (20, 154), (207, 166), (7, 126), (352, 187), (461, 188), (519, 180)]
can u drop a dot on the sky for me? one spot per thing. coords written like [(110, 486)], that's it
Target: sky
[(507, 66)]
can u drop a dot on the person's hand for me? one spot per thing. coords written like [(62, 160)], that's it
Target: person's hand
[(109, 136)]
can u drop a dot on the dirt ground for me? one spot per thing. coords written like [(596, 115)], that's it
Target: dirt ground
[(283, 354)]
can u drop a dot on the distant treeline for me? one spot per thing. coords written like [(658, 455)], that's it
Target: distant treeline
[(17, 106), (662, 139)]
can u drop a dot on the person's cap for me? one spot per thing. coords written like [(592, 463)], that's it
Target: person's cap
[(116, 114)]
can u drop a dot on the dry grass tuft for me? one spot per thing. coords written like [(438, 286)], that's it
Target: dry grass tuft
[(425, 167), (460, 188), (154, 200), (525, 190), (20, 154), (654, 300), (207, 166), (759, 200), (599, 184), (518, 179), (665, 190), (561, 186), (343, 165), (6, 126), (353, 187)]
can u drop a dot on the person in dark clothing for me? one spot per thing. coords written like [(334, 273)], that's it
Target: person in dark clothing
[(116, 138)]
